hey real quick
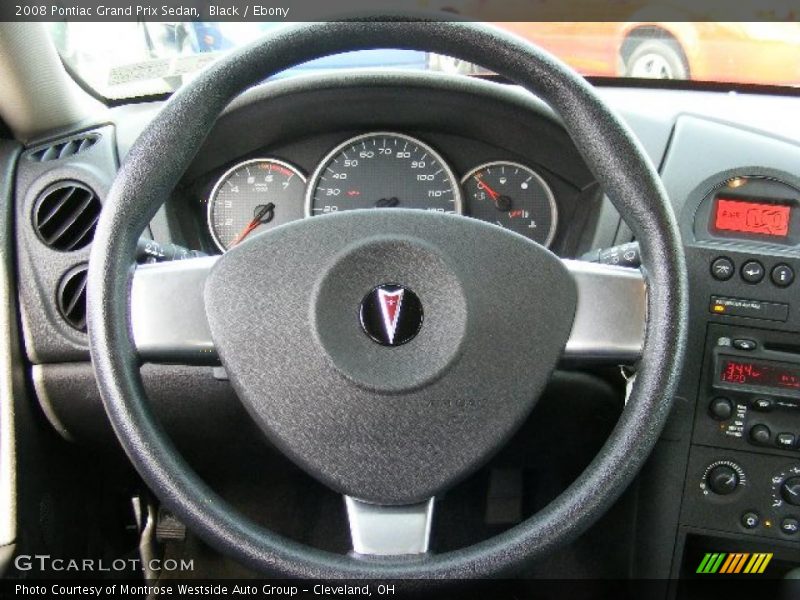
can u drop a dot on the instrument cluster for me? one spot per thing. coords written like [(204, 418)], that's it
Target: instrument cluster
[(380, 170)]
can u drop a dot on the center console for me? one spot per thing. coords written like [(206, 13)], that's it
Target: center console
[(742, 486)]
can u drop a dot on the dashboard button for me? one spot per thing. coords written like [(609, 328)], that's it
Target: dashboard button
[(782, 275), (752, 271), (785, 440), (722, 268), (790, 525), (750, 520), (721, 409), (744, 344), (763, 404), (760, 434)]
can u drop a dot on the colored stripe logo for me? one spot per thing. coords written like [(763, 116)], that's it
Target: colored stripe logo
[(734, 563)]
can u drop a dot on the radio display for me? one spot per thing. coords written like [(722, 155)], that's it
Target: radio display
[(759, 373), (745, 216)]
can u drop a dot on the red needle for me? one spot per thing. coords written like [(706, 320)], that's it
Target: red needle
[(263, 214), (492, 193), (246, 231)]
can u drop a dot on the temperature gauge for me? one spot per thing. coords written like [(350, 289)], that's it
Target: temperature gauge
[(513, 196)]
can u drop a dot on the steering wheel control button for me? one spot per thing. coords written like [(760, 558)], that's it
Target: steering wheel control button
[(753, 309), (721, 409), (750, 520), (790, 526), (391, 314), (745, 344), (722, 480), (760, 434), (752, 271), (763, 404), (782, 275), (722, 268), (785, 441)]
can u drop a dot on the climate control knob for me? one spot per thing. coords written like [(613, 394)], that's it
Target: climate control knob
[(790, 490), (723, 479)]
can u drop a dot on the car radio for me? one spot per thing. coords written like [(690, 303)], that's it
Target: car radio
[(750, 395)]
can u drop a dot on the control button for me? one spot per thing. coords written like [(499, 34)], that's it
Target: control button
[(750, 520), (752, 271), (723, 480), (755, 309), (763, 404), (785, 440), (790, 490), (782, 275), (722, 268), (744, 344), (790, 525), (760, 434), (721, 409)]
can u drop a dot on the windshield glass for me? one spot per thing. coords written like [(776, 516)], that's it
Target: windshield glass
[(130, 59)]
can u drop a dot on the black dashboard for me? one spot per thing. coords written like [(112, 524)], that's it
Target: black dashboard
[(473, 153), (730, 164)]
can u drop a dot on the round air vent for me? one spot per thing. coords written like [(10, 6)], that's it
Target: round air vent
[(72, 297), (65, 215)]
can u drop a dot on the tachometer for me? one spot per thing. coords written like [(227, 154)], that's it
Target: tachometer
[(253, 197), (383, 170), (513, 196)]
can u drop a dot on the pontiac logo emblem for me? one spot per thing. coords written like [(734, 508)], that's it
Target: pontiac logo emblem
[(391, 314)]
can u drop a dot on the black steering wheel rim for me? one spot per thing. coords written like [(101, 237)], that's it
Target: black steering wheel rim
[(161, 155)]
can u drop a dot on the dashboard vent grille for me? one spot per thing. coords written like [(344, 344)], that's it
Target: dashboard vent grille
[(64, 149), (65, 216), (72, 297)]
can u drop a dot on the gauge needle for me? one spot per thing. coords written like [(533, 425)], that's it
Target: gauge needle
[(264, 213), (494, 195)]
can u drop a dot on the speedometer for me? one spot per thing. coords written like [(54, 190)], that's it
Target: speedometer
[(383, 170)]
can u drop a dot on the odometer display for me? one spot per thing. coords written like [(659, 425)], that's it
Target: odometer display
[(383, 170)]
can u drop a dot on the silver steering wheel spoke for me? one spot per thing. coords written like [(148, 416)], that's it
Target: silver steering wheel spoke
[(381, 530), (169, 323), (611, 315)]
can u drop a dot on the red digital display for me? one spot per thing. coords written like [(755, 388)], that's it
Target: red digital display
[(762, 374), (752, 217)]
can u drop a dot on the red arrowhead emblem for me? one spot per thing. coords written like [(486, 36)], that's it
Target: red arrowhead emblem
[(390, 303)]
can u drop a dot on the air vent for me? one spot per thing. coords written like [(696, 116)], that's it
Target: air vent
[(64, 149), (65, 216), (72, 297)]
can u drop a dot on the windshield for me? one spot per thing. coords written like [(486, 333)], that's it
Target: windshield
[(133, 59)]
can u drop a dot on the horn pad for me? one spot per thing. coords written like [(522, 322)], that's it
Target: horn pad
[(391, 424)]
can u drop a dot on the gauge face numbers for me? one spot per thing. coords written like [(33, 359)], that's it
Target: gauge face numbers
[(383, 170), (252, 197), (513, 196)]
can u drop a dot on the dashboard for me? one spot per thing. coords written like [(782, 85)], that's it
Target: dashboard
[(489, 154), (294, 150), (378, 170)]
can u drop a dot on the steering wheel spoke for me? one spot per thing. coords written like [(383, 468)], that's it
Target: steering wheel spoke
[(169, 323), (168, 315), (381, 530), (611, 316)]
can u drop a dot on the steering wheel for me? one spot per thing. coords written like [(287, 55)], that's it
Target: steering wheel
[(390, 426)]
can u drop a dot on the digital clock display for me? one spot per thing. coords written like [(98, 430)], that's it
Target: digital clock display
[(743, 216), (760, 373)]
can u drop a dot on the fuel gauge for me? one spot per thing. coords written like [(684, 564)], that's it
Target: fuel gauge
[(513, 196)]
